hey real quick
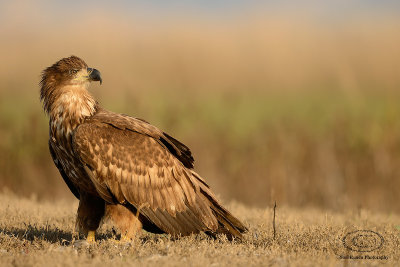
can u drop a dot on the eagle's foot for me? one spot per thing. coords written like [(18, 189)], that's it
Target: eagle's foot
[(125, 239), (84, 243), (91, 237)]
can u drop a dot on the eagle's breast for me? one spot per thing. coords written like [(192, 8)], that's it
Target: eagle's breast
[(67, 113)]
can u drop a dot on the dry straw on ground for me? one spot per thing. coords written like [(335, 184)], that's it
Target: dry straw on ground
[(36, 233)]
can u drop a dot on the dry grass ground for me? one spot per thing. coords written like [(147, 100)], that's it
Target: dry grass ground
[(36, 233)]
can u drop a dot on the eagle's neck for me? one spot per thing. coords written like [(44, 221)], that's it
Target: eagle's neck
[(69, 109)]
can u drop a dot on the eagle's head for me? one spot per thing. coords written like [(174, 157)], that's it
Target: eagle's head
[(65, 76)]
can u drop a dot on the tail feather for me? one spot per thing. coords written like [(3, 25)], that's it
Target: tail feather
[(228, 224), (228, 228)]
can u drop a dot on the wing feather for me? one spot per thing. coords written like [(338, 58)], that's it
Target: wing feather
[(149, 188), (69, 183), (136, 169), (135, 164)]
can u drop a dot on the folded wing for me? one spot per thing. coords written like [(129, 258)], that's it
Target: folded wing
[(134, 163)]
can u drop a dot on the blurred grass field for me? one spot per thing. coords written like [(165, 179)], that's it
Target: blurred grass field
[(290, 110)]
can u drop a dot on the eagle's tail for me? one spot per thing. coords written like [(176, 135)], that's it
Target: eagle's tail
[(227, 223)]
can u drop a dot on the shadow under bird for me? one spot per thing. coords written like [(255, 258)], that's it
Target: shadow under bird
[(124, 168)]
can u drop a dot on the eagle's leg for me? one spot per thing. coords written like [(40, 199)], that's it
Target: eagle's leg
[(91, 237), (90, 212), (126, 221)]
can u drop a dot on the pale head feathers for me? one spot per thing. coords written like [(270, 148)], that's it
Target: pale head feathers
[(63, 91)]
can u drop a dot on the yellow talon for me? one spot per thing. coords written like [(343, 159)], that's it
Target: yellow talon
[(91, 237), (125, 238)]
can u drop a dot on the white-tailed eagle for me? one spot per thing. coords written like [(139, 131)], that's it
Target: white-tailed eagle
[(122, 167)]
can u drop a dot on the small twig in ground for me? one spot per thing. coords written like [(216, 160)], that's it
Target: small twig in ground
[(273, 222)]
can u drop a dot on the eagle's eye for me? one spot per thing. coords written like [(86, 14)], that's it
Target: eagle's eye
[(72, 72)]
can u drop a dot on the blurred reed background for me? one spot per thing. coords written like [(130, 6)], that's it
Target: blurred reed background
[(298, 104)]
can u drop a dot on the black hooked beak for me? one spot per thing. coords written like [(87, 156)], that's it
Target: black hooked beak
[(94, 75)]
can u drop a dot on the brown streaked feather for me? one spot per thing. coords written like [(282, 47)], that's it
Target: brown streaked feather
[(161, 201), (67, 180), (159, 184), (126, 122)]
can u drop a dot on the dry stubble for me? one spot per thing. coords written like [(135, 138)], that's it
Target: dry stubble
[(41, 233)]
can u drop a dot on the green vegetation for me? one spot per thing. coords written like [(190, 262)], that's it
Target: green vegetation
[(327, 150)]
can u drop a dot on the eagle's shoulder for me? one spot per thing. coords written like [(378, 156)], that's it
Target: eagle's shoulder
[(104, 119)]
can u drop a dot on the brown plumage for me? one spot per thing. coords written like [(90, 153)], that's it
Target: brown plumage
[(122, 167)]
